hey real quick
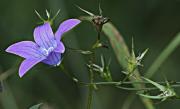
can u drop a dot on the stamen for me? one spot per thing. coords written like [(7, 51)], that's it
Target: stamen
[(46, 52)]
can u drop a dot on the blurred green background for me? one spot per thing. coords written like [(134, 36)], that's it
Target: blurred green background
[(152, 23)]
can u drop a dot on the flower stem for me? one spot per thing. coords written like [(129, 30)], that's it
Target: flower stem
[(91, 79), (90, 92), (118, 85)]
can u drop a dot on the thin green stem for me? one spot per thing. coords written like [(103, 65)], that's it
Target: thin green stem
[(128, 82), (118, 85), (70, 75), (9, 72), (90, 92), (91, 78), (127, 77), (131, 82), (7, 98), (79, 50)]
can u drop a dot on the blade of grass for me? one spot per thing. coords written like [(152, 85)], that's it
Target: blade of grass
[(37, 106), (117, 43), (7, 99), (163, 56), (121, 51)]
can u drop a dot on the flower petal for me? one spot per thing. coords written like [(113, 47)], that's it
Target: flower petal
[(54, 59), (26, 65), (60, 47), (44, 37), (66, 26), (26, 49)]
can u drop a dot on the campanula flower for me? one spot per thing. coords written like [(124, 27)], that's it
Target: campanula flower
[(47, 47)]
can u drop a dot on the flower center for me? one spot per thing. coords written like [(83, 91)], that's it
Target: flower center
[(46, 52)]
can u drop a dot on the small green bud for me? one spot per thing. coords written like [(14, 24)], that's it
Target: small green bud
[(49, 19)]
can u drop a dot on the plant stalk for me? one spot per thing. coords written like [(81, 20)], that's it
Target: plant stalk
[(90, 90)]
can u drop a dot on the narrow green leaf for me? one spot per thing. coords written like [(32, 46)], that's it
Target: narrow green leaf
[(100, 10), (89, 13), (47, 14), (57, 13), (141, 56), (160, 87), (8, 100), (37, 106), (40, 17), (150, 97), (117, 43), (163, 56)]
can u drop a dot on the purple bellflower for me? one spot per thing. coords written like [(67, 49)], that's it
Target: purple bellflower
[(47, 47)]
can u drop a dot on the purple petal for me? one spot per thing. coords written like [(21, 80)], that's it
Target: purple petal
[(44, 37), (26, 49), (26, 65), (66, 26), (54, 59), (60, 47)]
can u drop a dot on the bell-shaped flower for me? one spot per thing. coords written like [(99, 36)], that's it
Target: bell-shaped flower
[(47, 47)]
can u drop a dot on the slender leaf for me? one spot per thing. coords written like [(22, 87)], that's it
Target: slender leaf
[(37, 106), (160, 87), (151, 97), (8, 100), (118, 44), (163, 56)]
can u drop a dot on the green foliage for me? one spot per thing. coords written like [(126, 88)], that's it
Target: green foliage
[(121, 52), (37, 106), (163, 56), (166, 91), (118, 44)]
